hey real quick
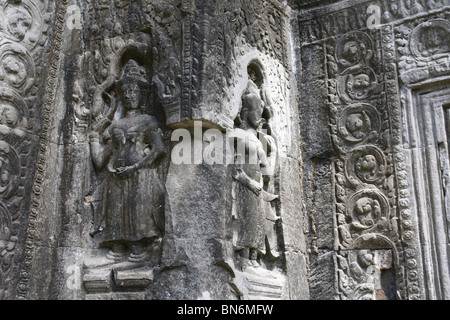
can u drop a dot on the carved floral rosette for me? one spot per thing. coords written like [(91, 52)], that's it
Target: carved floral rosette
[(364, 111)]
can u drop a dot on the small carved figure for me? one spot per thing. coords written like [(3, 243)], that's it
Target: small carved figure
[(351, 52), (19, 23), (367, 211), (353, 49), (5, 167), (356, 124), (434, 40), (13, 70), (10, 122), (132, 197), (367, 166), (255, 213)]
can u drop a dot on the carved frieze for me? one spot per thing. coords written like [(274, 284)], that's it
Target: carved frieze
[(24, 25), (423, 55), (363, 273), (341, 18), (362, 93)]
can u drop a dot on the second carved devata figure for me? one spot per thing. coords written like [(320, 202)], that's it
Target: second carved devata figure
[(130, 201), (254, 190)]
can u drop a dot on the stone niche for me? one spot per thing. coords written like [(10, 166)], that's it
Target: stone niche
[(125, 126)]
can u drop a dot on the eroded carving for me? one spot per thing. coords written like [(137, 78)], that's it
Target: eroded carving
[(354, 48), (130, 198), (133, 197), (22, 22), (255, 269), (357, 83), (9, 170), (364, 275), (367, 209), (255, 215), (17, 68), (359, 123), (366, 165), (13, 115), (430, 39)]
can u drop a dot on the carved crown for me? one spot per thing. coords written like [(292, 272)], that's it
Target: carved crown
[(133, 73)]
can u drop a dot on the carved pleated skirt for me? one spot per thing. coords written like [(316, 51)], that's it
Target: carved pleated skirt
[(133, 207)]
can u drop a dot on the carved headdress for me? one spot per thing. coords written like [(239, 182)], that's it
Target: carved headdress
[(251, 97), (133, 73)]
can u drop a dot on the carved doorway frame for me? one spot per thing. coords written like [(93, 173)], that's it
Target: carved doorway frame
[(426, 133)]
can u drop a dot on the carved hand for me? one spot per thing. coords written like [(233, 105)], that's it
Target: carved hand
[(254, 187), (125, 172), (94, 136)]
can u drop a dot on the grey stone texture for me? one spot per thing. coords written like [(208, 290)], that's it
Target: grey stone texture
[(224, 150)]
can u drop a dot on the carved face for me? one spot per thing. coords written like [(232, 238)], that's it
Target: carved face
[(363, 206), (9, 116), (354, 123), (13, 70), (19, 23), (351, 51), (131, 96), (368, 162), (361, 81), (254, 111)]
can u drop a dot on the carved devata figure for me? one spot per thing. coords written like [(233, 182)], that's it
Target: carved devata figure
[(130, 202), (256, 153)]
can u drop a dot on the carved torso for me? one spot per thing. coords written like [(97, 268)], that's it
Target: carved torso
[(130, 140)]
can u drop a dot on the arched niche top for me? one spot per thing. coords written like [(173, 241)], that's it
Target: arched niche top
[(250, 62)]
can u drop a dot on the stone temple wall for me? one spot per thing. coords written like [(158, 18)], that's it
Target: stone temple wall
[(373, 81), (229, 149)]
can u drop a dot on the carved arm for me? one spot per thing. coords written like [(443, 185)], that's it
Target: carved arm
[(100, 153)]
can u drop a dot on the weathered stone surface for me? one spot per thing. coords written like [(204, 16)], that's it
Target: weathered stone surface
[(230, 149), (351, 51)]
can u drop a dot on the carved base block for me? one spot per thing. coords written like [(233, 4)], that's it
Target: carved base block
[(133, 279), (121, 281), (117, 296), (97, 281), (259, 284)]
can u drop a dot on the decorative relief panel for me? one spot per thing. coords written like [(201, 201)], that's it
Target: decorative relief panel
[(256, 236), (23, 45), (195, 48), (366, 214), (341, 18), (364, 63), (195, 61), (160, 19), (423, 48)]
